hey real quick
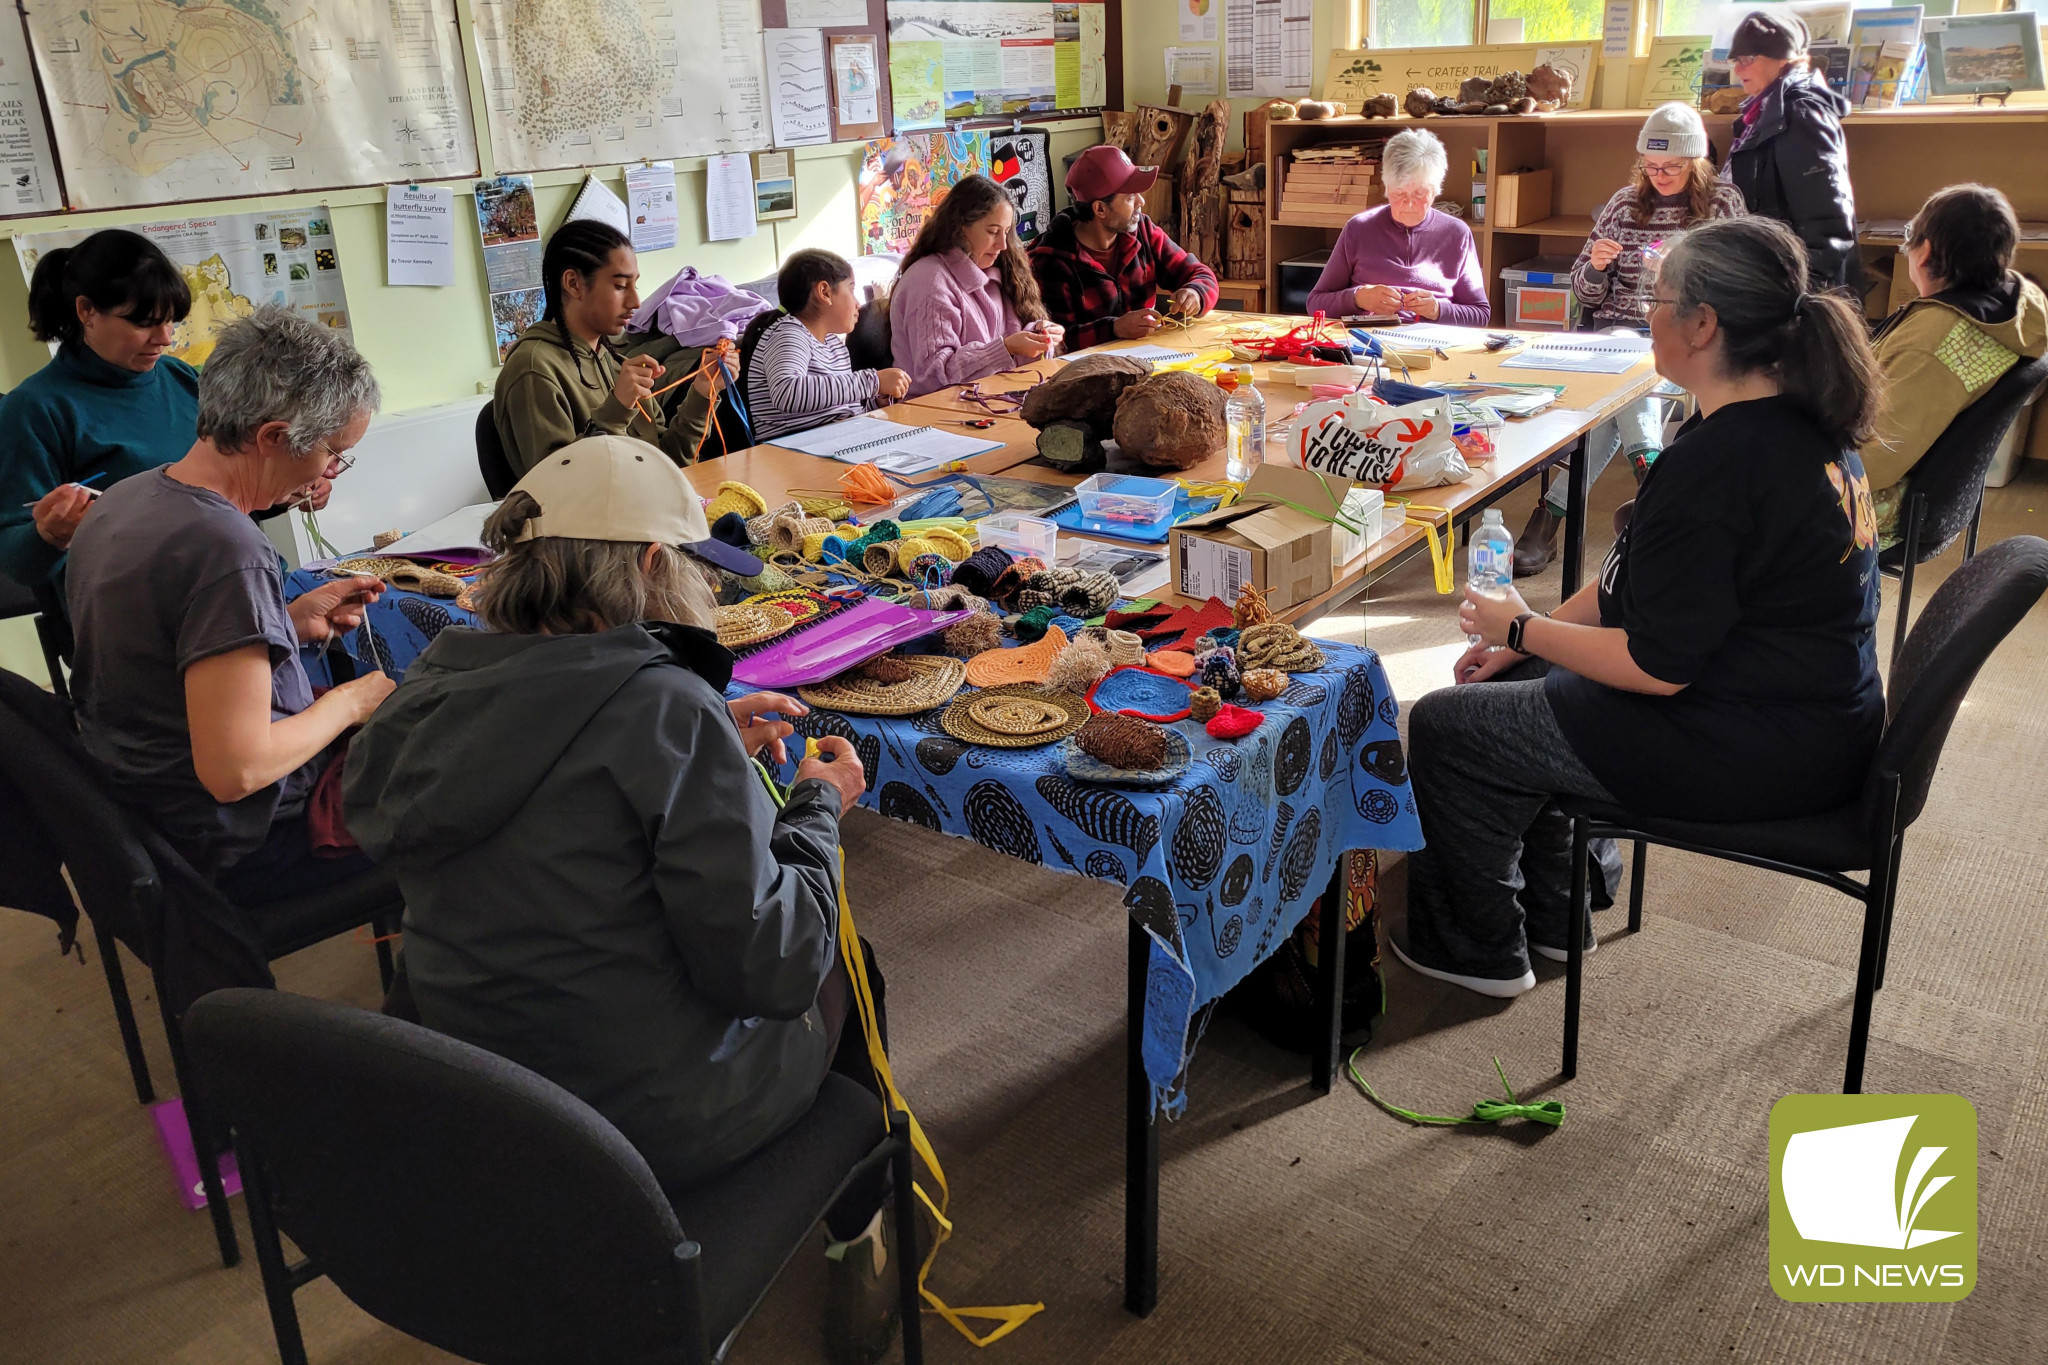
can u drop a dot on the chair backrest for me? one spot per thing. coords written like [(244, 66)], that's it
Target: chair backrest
[(1956, 631), (55, 626), (97, 839), (15, 600), (490, 453), (870, 345), (1950, 476), (449, 1192)]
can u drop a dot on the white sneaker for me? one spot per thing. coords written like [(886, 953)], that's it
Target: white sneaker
[(1563, 954), (1484, 985)]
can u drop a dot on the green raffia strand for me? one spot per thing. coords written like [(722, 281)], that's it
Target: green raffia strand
[(1549, 1112)]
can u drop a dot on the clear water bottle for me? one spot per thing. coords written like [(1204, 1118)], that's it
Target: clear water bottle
[(1492, 560), (1245, 412)]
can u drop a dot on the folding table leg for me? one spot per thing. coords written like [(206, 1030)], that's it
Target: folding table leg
[(1573, 567), (1141, 1145), (1327, 1054)]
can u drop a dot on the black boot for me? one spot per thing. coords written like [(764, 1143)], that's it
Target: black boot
[(1537, 545)]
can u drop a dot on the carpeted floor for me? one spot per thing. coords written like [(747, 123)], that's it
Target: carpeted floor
[(1295, 1229)]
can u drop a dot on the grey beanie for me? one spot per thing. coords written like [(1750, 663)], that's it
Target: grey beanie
[(1673, 130), (1769, 33)]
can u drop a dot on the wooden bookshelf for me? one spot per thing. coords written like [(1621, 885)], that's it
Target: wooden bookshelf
[(1897, 158)]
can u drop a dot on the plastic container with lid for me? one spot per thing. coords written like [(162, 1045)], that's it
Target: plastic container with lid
[(1019, 534), (1125, 498), (1539, 293)]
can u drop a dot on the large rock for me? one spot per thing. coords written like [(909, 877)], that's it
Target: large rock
[(1171, 421), (1084, 390)]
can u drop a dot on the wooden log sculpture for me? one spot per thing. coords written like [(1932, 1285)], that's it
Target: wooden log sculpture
[(1244, 235), (1120, 129), (1160, 133), (1201, 188)]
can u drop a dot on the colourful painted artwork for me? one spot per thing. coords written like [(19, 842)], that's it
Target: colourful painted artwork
[(902, 179)]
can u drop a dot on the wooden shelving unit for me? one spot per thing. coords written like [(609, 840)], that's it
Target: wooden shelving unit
[(1896, 159)]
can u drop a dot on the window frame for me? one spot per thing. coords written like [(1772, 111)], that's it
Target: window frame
[(1362, 13)]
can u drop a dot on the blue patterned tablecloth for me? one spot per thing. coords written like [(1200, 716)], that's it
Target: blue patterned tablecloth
[(1218, 867)]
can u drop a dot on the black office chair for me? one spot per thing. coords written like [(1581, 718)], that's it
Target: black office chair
[(468, 1202), (1945, 491), (53, 627), (123, 885), (1963, 622), (490, 453)]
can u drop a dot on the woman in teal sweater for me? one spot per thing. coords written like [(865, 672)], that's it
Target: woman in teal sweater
[(110, 404)]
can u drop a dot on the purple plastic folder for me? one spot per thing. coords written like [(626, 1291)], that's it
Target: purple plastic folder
[(176, 1137), (840, 642)]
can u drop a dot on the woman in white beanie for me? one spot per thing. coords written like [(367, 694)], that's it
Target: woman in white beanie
[(1675, 187)]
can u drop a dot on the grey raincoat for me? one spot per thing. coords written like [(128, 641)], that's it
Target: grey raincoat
[(598, 885)]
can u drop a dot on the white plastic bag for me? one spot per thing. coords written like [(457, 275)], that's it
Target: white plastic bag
[(1394, 449)]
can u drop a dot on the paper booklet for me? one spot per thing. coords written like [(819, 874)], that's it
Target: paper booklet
[(892, 447), (1587, 353)]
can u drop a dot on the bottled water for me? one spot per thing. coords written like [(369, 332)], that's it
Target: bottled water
[(1245, 412), (1492, 560)]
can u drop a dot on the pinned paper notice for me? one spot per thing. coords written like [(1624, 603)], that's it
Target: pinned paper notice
[(419, 235), (651, 204), (729, 197), (799, 101)]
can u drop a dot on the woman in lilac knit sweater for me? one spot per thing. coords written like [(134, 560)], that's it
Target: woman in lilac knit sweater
[(1406, 257), (966, 305)]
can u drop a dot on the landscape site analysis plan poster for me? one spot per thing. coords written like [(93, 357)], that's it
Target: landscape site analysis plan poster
[(234, 263), (594, 82), (158, 101)]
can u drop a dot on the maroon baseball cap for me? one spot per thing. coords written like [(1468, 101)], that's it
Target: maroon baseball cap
[(1103, 171)]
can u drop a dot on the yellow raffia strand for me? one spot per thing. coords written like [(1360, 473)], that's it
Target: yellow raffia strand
[(1223, 489), (1009, 1317), (1439, 549)]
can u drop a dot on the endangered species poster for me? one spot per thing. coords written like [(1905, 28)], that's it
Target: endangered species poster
[(902, 179), (234, 263)]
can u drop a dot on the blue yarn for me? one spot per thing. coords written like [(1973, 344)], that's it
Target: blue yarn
[(833, 551), (940, 502), (1070, 626)]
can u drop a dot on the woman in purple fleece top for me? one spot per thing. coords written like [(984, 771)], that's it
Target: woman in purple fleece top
[(1405, 257), (966, 305)]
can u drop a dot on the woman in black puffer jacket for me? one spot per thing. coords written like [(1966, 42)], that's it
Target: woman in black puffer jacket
[(1789, 158)]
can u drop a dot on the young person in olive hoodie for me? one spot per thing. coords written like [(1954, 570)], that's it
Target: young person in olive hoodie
[(598, 884), (563, 379), (1974, 320)]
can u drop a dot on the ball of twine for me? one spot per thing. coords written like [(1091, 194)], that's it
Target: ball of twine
[(1281, 646), (1204, 704), (1123, 742)]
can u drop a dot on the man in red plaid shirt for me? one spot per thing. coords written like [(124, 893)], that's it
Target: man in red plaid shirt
[(1102, 263)]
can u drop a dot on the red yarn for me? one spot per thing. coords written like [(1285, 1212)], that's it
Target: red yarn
[(1235, 722), (1193, 623)]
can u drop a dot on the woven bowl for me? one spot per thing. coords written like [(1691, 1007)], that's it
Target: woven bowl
[(1083, 766), (743, 625), (938, 677), (961, 721)]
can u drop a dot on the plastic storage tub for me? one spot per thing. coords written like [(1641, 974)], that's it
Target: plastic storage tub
[(1298, 278), (1364, 508), (1540, 294), (1125, 498), (1018, 533)]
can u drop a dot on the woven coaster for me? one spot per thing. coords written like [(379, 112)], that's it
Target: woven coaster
[(377, 565), (1083, 766), (1030, 663), (745, 625), (933, 681), (417, 578), (1017, 716), (1141, 692)]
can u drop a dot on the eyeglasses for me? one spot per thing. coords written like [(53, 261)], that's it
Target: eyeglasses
[(1652, 168), (343, 458), (1656, 302)]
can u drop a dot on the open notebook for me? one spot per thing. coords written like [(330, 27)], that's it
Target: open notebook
[(1582, 353), (892, 447)]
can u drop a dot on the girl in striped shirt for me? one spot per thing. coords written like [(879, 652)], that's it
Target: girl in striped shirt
[(793, 361)]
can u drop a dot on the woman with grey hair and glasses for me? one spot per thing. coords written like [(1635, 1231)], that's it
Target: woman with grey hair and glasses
[(1406, 256), (187, 676)]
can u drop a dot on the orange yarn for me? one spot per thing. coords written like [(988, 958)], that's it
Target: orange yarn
[(866, 484), (1171, 662), (1030, 663)]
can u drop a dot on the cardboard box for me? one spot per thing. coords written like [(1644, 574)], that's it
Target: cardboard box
[(1520, 198), (1283, 552)]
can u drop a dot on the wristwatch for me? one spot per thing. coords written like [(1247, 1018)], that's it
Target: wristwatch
[(1515, 630)]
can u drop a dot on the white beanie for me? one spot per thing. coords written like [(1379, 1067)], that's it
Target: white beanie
[(1673, 130)]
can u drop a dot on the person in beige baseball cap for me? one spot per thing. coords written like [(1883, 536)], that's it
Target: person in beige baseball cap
[(598, 883)]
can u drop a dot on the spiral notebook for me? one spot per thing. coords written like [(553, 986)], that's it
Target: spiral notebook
[(1586, 353), (892, 447)]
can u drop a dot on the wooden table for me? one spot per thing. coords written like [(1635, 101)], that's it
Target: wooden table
[(1528, 447)]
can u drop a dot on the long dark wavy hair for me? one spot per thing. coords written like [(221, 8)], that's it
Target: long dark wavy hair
[(970, 201)]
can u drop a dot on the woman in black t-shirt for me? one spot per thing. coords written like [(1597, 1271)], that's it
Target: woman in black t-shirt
[(1723, 667)]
